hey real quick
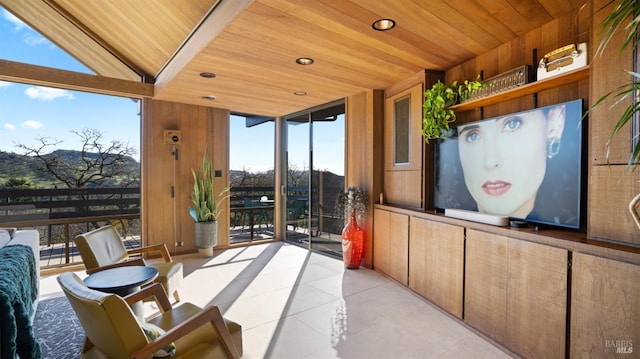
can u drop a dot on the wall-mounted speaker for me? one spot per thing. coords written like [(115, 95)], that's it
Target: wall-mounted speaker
[(172, 137)]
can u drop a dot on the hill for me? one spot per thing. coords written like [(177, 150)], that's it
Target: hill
[(16, 166)]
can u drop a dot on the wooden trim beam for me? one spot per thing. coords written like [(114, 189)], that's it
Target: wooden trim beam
[(50, 77), (220, 16)]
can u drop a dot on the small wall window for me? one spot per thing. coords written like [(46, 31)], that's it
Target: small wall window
[(401, 130)]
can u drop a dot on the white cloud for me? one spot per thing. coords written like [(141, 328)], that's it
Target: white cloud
[(32, 124), (4, 84), (32, 39), (17, 23), (47, 93), (9, 127)]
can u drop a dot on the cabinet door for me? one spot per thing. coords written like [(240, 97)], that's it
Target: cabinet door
[(604, 308), (381, 240), (436, 262), (536, 299), (516, 292), (399, 247), (485, 297), (391, 244)]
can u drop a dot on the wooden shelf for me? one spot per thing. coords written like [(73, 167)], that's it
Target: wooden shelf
[(530, 88)]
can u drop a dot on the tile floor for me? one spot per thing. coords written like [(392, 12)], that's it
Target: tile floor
[(293, 303)]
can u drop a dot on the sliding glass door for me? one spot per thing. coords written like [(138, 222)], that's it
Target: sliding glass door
[(315, 175), (297, 179)]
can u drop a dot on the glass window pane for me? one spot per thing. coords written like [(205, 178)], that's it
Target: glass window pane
[(401, 129)]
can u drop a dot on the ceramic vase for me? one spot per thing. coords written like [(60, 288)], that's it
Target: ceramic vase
[(352, 243)]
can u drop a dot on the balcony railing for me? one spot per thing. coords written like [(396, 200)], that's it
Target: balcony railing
[(61, 214)]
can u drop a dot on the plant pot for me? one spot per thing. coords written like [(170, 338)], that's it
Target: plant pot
[(205, 235), (352, 243), (206, 253)]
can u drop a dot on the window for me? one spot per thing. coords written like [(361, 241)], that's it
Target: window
[(401, 130)]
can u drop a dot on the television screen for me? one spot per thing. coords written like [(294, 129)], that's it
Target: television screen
[(525, 165)]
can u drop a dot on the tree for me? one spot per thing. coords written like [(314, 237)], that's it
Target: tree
[(16, 183), (98, 164), (297, 177)]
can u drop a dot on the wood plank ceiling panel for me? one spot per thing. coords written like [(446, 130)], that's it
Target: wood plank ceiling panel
[(252, 46), (557, 8), (146, 32)]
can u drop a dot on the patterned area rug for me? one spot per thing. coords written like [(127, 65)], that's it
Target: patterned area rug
[(58, 330)]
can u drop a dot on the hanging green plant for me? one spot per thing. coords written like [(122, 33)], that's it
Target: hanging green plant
[(468, 87), (436, 114)]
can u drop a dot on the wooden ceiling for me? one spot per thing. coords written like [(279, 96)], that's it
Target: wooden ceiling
[(252, 45)]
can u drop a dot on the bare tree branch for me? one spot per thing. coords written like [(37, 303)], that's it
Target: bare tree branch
[(99, 164)]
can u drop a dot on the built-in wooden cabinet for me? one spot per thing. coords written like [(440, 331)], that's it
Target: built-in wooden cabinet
[(391, 244), (605, 315), (539, 293), (436, 262), (516, 292)]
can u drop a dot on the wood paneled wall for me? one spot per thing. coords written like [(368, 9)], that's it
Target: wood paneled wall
[(410, 184), (166, 219), (403, 181), (609, 187), (571, 28), (364, 153)]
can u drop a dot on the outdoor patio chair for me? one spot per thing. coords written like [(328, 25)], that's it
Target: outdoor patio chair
[(102, 248), (113, 331)]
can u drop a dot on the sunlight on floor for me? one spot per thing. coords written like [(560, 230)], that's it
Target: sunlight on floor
[(293, 303)]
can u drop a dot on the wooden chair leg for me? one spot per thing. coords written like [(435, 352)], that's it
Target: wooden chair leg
[(176, 295)]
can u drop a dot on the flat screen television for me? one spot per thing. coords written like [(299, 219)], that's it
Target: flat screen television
[(525, 165)]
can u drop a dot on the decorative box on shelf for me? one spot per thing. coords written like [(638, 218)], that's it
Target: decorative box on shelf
[(562, 60), (505, 81)]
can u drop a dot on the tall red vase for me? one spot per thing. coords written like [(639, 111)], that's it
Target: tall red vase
[(352, 243)]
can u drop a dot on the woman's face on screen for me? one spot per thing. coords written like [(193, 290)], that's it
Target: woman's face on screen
[(504, 162)]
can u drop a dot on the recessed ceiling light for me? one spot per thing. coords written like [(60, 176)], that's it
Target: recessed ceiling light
[(209, 98), (304, 61), (300, 93), (207, 75), (383, 24)]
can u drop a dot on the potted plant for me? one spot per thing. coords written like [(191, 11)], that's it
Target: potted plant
[(205, 208), (351, 205), (436, 114)]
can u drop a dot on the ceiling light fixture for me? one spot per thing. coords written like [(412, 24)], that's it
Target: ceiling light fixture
[(383, 24), (209, 98), (300, 93), (304, 61), (207, 75)]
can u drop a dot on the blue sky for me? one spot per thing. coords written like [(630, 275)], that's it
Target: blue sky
[(29, 112)]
